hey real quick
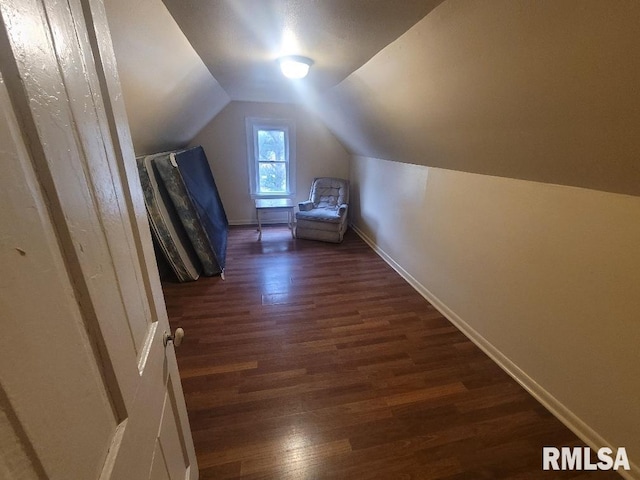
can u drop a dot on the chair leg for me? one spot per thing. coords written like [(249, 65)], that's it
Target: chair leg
[(290, 216), (259, 225)]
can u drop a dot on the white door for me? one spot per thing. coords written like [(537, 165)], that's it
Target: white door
[(87, 388)]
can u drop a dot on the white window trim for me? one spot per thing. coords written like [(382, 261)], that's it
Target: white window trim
[(254, 124)]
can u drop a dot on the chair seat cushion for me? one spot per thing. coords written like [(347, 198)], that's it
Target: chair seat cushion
[(329, 215)]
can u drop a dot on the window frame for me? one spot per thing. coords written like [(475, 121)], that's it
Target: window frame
[(253, 125)]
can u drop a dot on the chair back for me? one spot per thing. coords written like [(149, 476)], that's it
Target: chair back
[(327, 192)]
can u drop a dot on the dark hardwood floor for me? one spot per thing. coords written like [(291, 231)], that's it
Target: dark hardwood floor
[(314, 360)]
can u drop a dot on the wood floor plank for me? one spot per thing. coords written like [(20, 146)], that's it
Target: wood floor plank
[(315, 360)]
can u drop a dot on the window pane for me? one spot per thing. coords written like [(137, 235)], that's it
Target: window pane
[(271, 146), (272, 177)]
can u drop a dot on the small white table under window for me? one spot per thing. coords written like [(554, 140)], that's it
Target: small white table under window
[(274, 205)]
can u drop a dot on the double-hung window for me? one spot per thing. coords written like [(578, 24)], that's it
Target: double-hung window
[(271, 155)]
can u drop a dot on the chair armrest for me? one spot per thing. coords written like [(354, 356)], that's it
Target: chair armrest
[(305, 206), (342, 208)]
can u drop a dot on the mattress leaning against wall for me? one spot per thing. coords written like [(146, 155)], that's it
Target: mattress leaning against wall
[(187, 177), (166, 227)]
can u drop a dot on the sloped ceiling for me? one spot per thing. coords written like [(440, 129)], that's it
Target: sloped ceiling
[(240, 40), (539, 90), (169, 93)]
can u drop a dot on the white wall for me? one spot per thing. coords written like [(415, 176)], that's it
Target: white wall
[(168, 91), (224, 140), (545, 277)]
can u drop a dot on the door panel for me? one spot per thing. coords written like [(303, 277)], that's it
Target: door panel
[(158, 469), (90, 260), (169, 440), (72, 48), (40, 315)]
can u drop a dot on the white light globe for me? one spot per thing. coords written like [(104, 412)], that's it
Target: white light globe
[(295, 66)]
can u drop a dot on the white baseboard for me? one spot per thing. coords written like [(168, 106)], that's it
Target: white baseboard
[(562, 413), (239, 223)]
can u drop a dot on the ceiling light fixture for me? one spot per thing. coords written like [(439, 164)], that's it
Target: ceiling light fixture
[(295, 66)]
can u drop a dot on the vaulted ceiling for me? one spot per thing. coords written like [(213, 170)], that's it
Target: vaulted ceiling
[(240, 40), (532, 89), (169, 93)]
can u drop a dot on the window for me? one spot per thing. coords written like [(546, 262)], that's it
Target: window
[(271, 155)]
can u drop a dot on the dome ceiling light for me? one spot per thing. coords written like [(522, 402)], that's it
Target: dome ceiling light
[(295, 66)]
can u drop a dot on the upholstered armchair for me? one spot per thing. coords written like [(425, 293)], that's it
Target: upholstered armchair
[(324, 216)]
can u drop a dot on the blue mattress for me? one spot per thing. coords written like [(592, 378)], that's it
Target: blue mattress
[(166, 227), (187, 177)]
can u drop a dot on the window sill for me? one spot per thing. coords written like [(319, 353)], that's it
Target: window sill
[(272, 195)]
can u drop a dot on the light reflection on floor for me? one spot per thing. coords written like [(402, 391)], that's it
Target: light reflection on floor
[(275, 239)]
